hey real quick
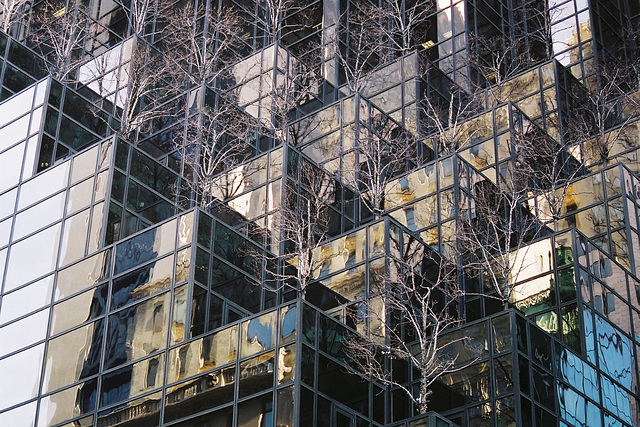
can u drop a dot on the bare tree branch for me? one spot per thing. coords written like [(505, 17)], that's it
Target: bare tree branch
[(12, 12), (58, 31), (416, 305)]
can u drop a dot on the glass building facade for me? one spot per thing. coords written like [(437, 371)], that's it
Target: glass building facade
[(204, 254)]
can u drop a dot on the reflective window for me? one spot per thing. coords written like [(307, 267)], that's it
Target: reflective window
[(203, 354), (68, 404), (132, 380), (21, 416), (258, 334), (79, 309), (256, 374), (73, 356), (216, 388), (141, 282), (137, 331), (143, 410), (146, 246), (82, 275)]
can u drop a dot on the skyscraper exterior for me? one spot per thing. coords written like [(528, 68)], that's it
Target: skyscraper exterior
[(319, 213)]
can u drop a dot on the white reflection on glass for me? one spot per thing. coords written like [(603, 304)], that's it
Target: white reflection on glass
[(13, 132), (26, 300), (96, 227), (7, 202), (10, 165), (74, 238), (22, 333), (22, 416), (30, 157), (38, 216), (22, 371), (5, 231), (49, 182), (84, 164), (17, 106), (32, 257)]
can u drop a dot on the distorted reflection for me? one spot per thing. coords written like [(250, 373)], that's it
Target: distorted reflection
[(258, 334), (256, 374)]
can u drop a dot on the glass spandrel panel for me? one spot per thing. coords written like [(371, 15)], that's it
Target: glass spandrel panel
[(501, 333), (256, 374), (49, 182), (22, 371), (69, 403), (79, 309), (73, 356), (349, 284), (203, 354), (141, 282), (258, 334), (79, 196), (137, 331), (146, 246), (132, 380), (11, 165), (24, 332), (26, 300), (32, 257), (82, 275), (216, 387), (13, 132), (74, 237), (22, 416)]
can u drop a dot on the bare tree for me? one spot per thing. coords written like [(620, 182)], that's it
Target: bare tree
[(497, 60), (600, 120), (201, 50), (548, 167), (305, 224), (384, 149), (60, 39), (213, 143), (142, 88), (494, 232), (12, 12), (448, 121), (365, 46), (286, 92), (419, 295), (409, 22)]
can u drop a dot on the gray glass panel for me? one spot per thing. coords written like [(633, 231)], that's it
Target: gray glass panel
[(74, 238), (13, 132)]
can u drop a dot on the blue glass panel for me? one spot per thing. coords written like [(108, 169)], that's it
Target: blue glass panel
[(617, 400), (614, 352)]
